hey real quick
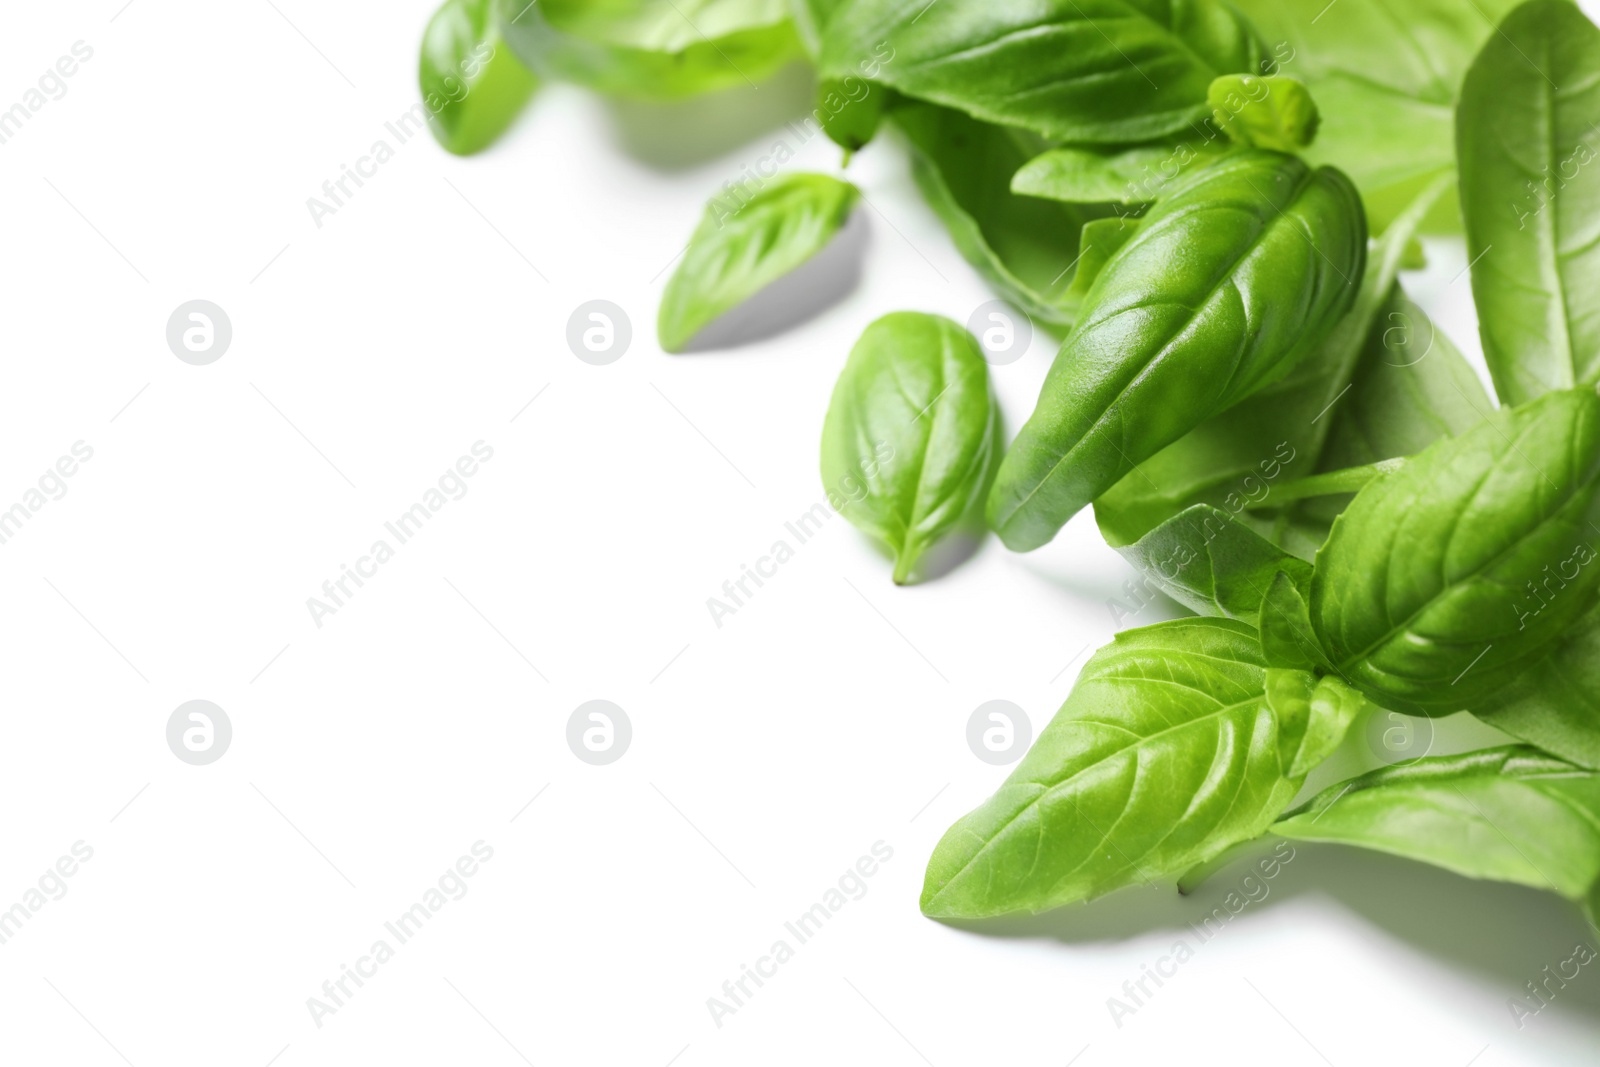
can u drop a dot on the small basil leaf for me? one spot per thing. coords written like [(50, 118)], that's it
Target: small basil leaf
[(1287, 637), (472, 84), (1096, 245), (1165, 754), (1127, 175), (652, 49), (1274, 112), (910, 436), (741, 247), (1411, 388), (1509, 814), (1209, 562), (1313, 715), (851, 111), (1555, 703), (1279, 432), (1528, 132), (1230, 279), (1108, 71), (1022, 246), (1436, 573)]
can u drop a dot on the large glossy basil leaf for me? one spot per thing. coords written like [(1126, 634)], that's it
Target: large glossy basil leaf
[(1134, 174), (1209, 562), (1229, 280), (1555, 704), (915, 390), (1278, 433), (743, 245), (1425, 595), (1412, 387), (472, 84), (1073, 70), (1022, 246), (1165, 753), (1385, 75), (1510, 814), (652, 49), (1528, 134)]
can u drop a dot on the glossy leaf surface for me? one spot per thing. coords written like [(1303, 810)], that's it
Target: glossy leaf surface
[(1229, 281), (742, 245), (910, 436), (1528, 131)]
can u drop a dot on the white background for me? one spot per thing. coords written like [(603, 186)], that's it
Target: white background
[(368, 755)]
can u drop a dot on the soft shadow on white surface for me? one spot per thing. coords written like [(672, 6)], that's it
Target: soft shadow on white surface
[(804, 293), (1503, 933), (688, 133)]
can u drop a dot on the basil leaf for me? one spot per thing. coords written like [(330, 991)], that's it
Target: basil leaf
[(1452, 568), (652, 49), (472, 85), (1128, 175), (1230, 279), (1074, 70), (1411, 388), (1235, 459), (1509, 814), (1023, 247), (910, 436), (1165, 753), (1555, 703), (1287, 636), (1097, 243), (1273, 112), (1211, 563), (1385, 75), (741, 247), (1313, 716), (851, 111), (1529, 192)]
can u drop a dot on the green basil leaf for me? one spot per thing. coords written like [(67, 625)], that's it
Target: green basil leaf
[(1209, 562), (1555, 703), (1411, 388), (1097, 243), (850, 111), (1313, 716), (910, 436), (1508, 814), (1273, 112), (1428, 578), (1090, 174), (1165, 753), (1230, 279), (1287, 636), (472, 84), (1073, 70), (652, 49), (1023, 247), (742, 246), (1528, 132), (1234, 460), (1385, 75)]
